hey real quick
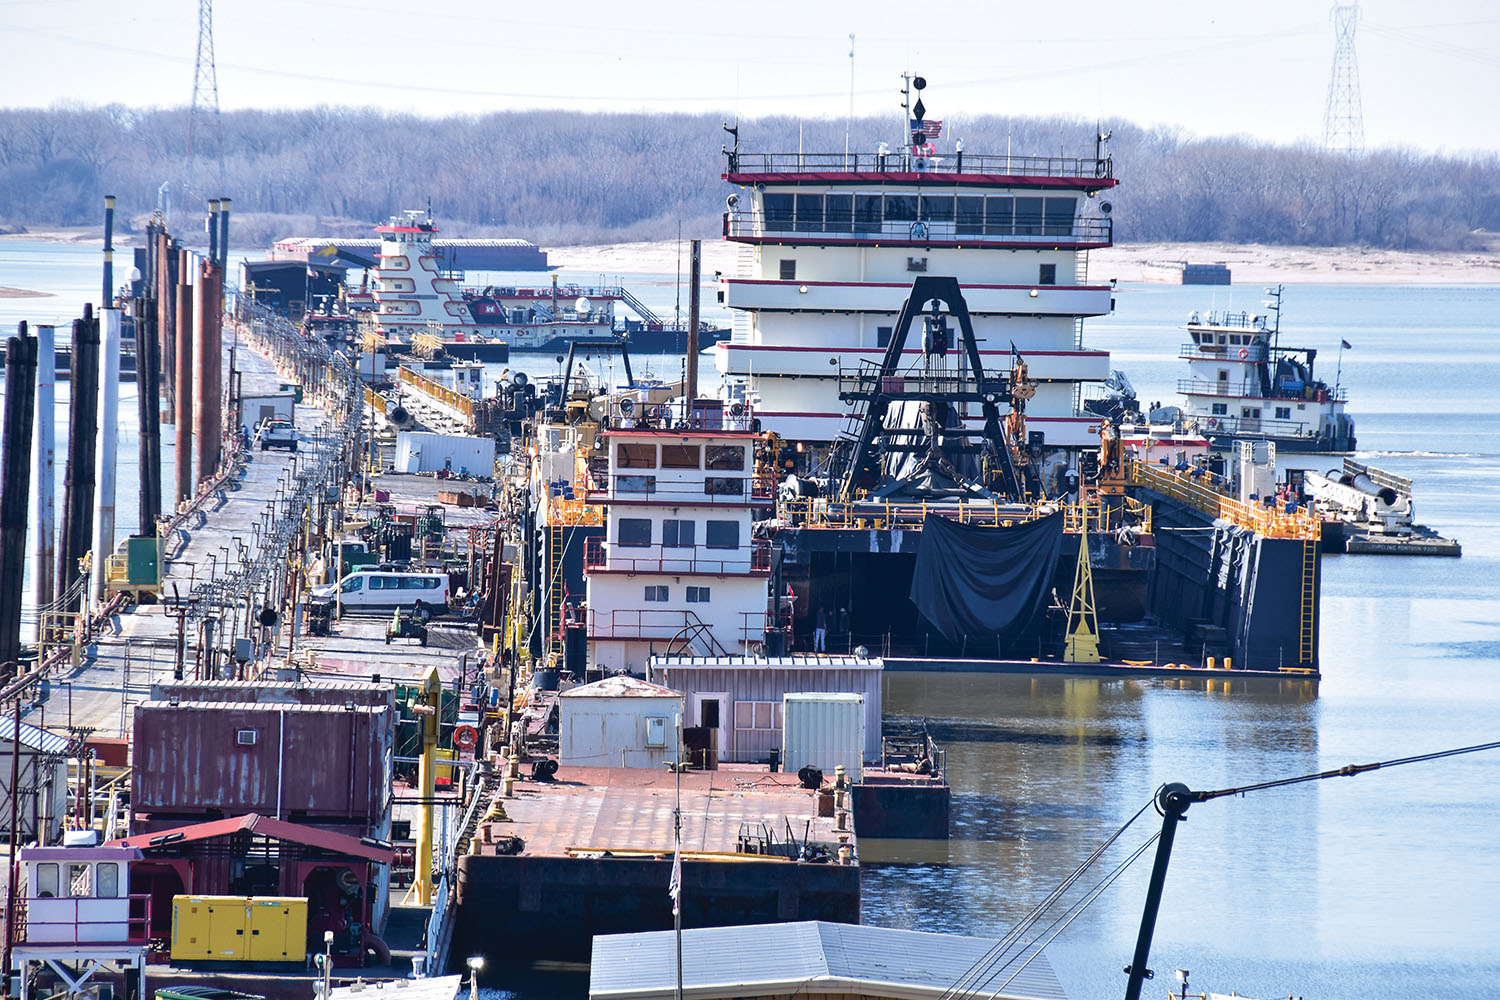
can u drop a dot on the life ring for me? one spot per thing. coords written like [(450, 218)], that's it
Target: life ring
[(1213, 423), (466, 737), (1244, 354)]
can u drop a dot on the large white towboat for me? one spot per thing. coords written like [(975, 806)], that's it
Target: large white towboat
[(830, 244)]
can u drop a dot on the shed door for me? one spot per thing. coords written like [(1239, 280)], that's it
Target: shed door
[(711, 710)]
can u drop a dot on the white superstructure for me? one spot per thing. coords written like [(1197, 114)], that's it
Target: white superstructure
[(830, 243)]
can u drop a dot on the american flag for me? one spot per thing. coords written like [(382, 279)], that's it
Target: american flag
[(674, 887), (933, 130)]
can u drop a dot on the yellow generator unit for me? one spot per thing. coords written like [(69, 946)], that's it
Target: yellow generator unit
[(239, 929)]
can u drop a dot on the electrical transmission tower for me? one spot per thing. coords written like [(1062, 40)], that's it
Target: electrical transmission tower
[(1343, 119), (205, 128)]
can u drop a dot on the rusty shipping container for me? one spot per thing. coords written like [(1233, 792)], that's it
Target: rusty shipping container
[(338, 693), (316, 764)]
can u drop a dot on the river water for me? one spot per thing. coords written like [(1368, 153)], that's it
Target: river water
[(1381, 885)]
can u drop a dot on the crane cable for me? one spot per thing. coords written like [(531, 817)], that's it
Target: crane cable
[(979, 975), (972, 976)]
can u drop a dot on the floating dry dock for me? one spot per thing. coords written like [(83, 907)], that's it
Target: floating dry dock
[(591, 853)]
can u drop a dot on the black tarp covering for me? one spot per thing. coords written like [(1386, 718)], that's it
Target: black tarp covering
[(978, 581)]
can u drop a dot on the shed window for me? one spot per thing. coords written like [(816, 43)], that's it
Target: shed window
[(680, 456), (762, 715), (635, 532), (636, 455)]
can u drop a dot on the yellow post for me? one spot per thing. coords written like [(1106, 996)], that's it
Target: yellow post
[(1083, 621), (429, 714)]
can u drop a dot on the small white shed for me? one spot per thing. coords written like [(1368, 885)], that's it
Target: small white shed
[(42, 808), (618, 722)]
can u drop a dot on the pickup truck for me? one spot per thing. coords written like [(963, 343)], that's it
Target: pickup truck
[(277, 432)]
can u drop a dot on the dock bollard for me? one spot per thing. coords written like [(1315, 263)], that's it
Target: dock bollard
[(1211, 663), (508, 787), (846, 853), (841, 820)]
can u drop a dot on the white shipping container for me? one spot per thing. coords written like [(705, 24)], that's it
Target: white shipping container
[(823, 730), (423, 451), (257, 406)]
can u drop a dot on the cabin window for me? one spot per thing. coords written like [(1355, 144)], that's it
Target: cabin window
[(723, 534), (656, 593), (937, 207), (635, 484), (999, 216), (1221, 409), (678, 534), (809, 213), (1047, 274), (634, 532), (788, 270), (901, 207), (882, 336), (1028, 216), (778, 211), (635, 455), (1283, 413), (1058, 216), (724, 486), (867, 213), (838, 213), (1250, 412), (1223, 374), (680, 456), (46, 880), (725, 456), (78, 880), (968, 216), (108, 880), (697, 595)]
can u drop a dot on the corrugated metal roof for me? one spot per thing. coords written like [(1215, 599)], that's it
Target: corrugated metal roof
[(276, 829), (795, 661), (805, 957), (255, 706), (34, 737), (620, 686)]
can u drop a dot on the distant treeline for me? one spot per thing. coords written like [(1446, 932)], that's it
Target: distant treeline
[(571, 177)]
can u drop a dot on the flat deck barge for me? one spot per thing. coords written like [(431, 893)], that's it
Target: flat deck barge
[(591, 853)]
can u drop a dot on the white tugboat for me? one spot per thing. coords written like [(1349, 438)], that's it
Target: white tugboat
[(831, 242), (1244, 386)]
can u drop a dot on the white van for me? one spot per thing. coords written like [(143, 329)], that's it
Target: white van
[(376, 590)]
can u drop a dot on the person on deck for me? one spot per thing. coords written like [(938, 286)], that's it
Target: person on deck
[(820, 631)]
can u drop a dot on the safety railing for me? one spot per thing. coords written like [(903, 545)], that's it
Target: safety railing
[(1252, 390), (663, 625), (599, 555), (63, 920), (728, 488), (1099, 515), (1051, 233), (457, 400), (900, 161), (1193, 490)]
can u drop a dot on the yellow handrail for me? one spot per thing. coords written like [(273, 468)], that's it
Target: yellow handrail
[(1100, 515), (1268, 522), (457, 400)]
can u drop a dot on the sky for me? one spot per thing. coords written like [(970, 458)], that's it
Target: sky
[(1428, 71)]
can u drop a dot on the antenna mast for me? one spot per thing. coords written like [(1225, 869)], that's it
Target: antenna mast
[(204, 113), (1343, 117)]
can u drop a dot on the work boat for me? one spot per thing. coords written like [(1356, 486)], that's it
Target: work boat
[(830, 243), (1244, 386)]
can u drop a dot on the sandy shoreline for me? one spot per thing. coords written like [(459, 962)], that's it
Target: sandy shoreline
[(6, 292), (1249, 264)]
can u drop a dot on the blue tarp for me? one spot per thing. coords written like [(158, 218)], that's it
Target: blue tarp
[(980, 581)]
